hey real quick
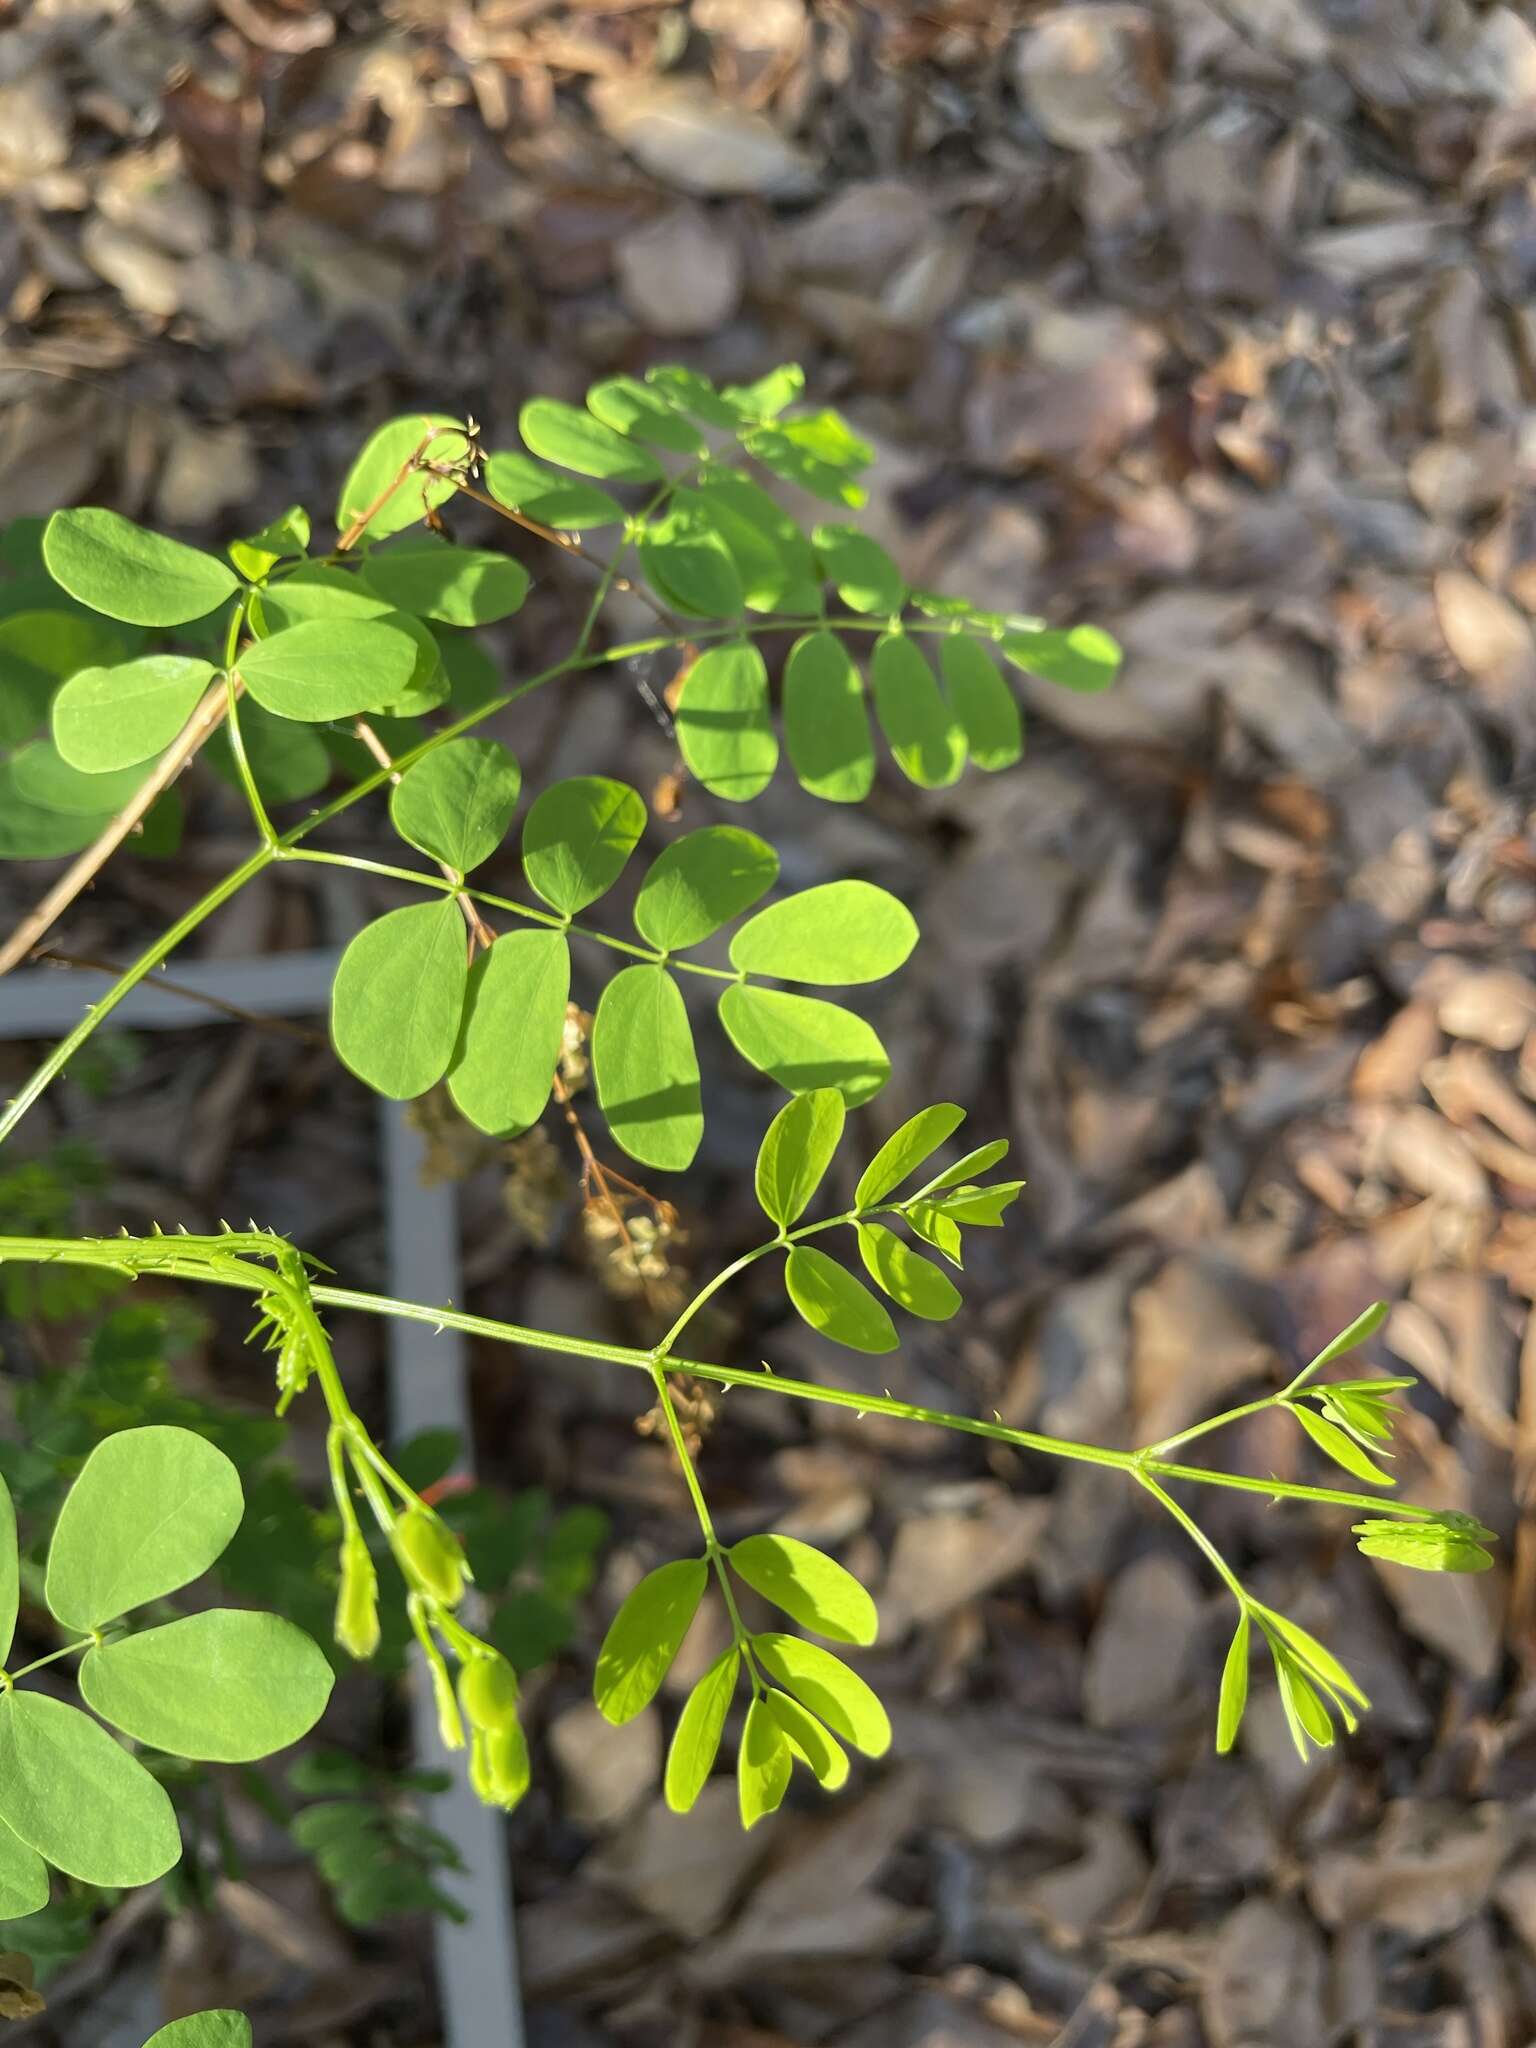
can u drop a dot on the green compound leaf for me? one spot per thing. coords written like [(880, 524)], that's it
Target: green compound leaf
[(837, 932), (28, 832), (644, 1637), (975, 1163), (826, 720), (224, 1686), (10, 1572), (860, 570), (687, 562), (905, 1150), (763, 1765), (692, 391), (457, 802), (457, 586), (106, 718), (151, 1510), (317, 590), (809, 1586), (836, 1305), (796, 1151), (985, 706), (1338, 1445), (121, 569), (514, 1024), (1450, 1543), (78, 1798), (220, 2029), (1234, 1687), (920, 729), (767, 397), (398, 996), (1081, 658), (288, 761), (724, 726), (696, 1742), (817, 452), (982, 1207), (23, 1878), (259, 553), (826, 1685), (384, 455), (809, 1740), (803, 1042), (906, 1276), (42, 777), (543, 494), (577, 837), (643, 412), (329, 668), (700, 882), (1318, 1659), (773, 558), (646, 1069), (577, 441)]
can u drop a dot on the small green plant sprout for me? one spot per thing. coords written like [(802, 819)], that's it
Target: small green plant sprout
[(296, 663), (151, 1510)]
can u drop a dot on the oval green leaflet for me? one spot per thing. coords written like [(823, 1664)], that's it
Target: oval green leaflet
[(316, 590), (457, 802), (809, 1586), (644, 1637), (802, 458), (458, 586), (797, 1148), (838, 932), (257, 554), (41, 776), (150, 1511), (577, 837), (859, 569), (378, 470), (645, 413), (985, 706), (763, 1764), (398, 997), (803, 1042), (215, 2029), (827, 1296), (905, 1150), (329, 668), (121, 569), (107, 718), (724, 726), (647, 1069), (23, 1877), (773, 559), (687, 562), (827, 1686), (700, 882), (578, 441), (696, 1740), (544, 495), (513, 1029), (76, 1796), (225, 1686), (826, 720), (920, 728), (1079, 658), (912, 1281), (809, 1741), (28, 832)]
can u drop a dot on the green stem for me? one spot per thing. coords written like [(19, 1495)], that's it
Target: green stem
[(1197, 1536), (9, 1678)]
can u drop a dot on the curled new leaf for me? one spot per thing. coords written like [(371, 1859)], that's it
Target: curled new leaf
[(837, 933), (696, 1741), (809, 1586), (1450, 1542), (796, 1151), (1338, 1445), (836, 1305), (644, 1637)]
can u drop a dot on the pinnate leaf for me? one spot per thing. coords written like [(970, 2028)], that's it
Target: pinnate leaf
[(836, 1305), (577, 837), (457, 802), (696, 1742), (107, 718), (796, 1151), (838, 932), (647, 1070), (150, 1511), (398, 997), (76, 1796), (809, 1586), (905, 1150), (700, 882), (644, 1637), (826, 720), (832, 1691), (129, 573), (724, 726), (803, 1042), (514, 1025), (224, 1686)]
